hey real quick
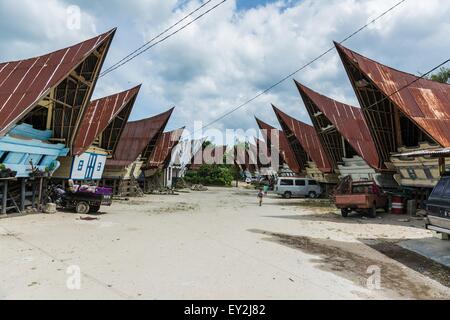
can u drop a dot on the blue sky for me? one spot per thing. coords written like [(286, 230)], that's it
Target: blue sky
[(233, 53)]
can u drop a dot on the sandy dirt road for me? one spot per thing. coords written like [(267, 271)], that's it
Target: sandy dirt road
[(215, 245)]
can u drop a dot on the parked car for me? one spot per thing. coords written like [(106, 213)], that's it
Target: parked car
[(359, 196), (438, 207), (297, 187)]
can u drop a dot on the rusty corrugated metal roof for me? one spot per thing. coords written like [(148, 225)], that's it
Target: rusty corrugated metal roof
[(136, 137), (426, 103), (100, 114), (163, 149), (286, 152), (348, 120), (26, 82), (307, 136)]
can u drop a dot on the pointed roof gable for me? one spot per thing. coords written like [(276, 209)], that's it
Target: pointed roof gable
[(100, 114), (163, 149), (348, 120), (425, 102), (137, 137), (285, 150), (307, 137), (26, 82)]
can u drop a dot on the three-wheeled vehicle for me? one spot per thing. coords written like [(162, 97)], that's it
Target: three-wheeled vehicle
[(359, 196), (438, 207), (83, 200)]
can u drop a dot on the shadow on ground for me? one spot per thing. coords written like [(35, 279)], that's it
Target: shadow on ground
[(353, 260)]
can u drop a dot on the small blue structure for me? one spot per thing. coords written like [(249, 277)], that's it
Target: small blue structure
[(24, 147)]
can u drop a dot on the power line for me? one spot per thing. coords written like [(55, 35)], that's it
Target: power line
[(156, 37), (303, 67), (132, 57)]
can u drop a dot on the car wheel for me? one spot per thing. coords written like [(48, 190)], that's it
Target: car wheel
[(82, 207), (312, 195), (373, 212), (288, 195), (94, 209), (344, 213)]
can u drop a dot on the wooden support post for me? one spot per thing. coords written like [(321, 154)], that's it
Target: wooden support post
[(23, 191), (33, 196), (40, 194), (5, 196), (442, 166)]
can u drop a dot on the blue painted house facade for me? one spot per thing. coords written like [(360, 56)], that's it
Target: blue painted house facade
[(25, 148)]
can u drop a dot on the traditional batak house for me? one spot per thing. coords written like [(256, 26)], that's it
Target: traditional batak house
[(287, 157), (134, 148), (404, 114), (157, 170), (307, 148), (42, 103), (97, 140), (182, 157), (344, 135)]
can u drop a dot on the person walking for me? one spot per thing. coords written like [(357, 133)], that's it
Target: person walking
[(260, 196)]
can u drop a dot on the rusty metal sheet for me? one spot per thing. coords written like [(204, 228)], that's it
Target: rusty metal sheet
[(308, 139), (24, 83), (163, 150), (136, 137), (426, 103), (349, 122), (286, 152), (99, 115)]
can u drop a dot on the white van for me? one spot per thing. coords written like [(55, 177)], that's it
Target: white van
[(298, 187)]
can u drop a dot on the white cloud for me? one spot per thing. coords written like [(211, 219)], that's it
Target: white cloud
[(230, 55)]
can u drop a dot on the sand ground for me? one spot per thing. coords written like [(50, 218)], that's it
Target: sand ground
[(216, 245)]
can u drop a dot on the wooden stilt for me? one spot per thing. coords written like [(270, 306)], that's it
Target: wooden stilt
[(5, 197), (23, 191)]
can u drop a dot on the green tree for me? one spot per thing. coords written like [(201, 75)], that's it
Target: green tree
[(442, 76)]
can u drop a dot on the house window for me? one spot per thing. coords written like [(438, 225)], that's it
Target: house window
[(99, 167), (412, 174), (80, 165)]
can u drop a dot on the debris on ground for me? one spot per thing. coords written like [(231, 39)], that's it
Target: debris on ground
[(199, 187), (88, 218)]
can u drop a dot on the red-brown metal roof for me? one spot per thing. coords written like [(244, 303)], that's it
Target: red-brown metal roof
[(136, 137), (100, 114), (24, 83), (425, 102), (163, 150), (349, 122), (308, 138), (285, 150)]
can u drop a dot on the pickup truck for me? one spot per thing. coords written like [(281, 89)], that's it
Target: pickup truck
[(363, 196)]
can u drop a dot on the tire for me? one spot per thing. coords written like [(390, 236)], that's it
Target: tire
[(344, 213), (312, 195), (373, 212), (287, 195), (82, 207), (94, 209)]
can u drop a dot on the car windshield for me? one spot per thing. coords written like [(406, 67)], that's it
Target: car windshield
[(362, 189), (440, 188)]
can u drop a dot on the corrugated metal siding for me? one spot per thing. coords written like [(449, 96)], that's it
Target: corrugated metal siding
[(136, 137), (309, 140), (349, 122), (99, 114), (163, 150), (285, 149), (24, 83), (425, 102)]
